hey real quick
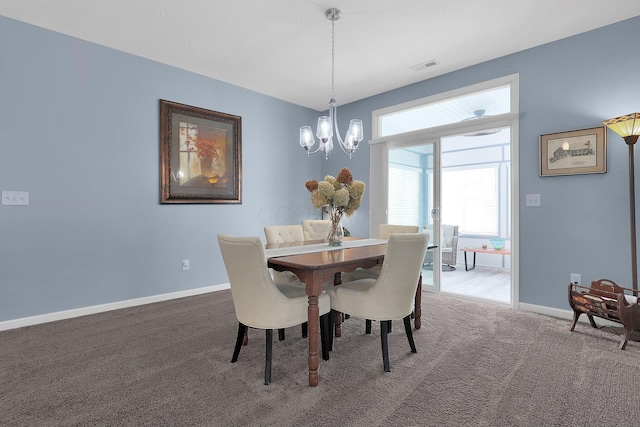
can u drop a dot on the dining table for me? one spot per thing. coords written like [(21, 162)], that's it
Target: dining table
[(315, 262)]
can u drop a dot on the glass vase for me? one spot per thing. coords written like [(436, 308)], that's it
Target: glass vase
[(335, 233)]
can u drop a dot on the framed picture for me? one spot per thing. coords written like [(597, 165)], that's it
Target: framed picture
[(200, 155), (574, 152)]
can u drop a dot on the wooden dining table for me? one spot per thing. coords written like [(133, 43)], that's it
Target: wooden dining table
[(314, 262)]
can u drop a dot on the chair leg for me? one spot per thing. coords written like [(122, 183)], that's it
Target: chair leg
[(367, 326), (332, 315), (325, 325), (407, 329), (268, 352), (242, 330), (305, 328), (330, 340), (384, 330), (280, 334), (338, 318)]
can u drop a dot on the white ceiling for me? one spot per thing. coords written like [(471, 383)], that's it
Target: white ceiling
[(282, 48)]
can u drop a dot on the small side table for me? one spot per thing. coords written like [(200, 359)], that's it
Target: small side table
[(483, 251)]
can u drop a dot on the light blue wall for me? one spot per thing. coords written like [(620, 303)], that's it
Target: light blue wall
[(79, 130), (583, 223)]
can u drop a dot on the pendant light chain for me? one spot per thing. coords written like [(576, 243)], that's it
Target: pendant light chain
[(333, 54)]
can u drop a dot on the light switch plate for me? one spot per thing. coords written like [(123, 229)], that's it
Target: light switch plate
[(15, 198), (533, 200)]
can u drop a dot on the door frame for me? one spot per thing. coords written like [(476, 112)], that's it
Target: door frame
[(379, 155)]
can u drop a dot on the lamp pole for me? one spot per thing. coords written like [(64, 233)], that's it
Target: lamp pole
[(631, 141), (628, 127)]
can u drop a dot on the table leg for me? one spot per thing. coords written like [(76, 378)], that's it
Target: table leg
[(465, 262), (417, 311), (314, 327)]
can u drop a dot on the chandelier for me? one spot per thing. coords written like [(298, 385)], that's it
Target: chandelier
[(327, 124)]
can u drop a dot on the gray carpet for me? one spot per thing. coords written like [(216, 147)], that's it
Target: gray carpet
[(169, 364)]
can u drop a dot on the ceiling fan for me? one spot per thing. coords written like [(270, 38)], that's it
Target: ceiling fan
[(479, 114)]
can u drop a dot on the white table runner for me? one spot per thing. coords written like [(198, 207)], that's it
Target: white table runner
[(320, 247)]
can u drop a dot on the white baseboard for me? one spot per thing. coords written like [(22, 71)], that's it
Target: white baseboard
[(562, 314), (548, 311), (84, 311)]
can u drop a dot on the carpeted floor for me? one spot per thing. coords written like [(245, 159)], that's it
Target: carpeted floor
[(477, 364)]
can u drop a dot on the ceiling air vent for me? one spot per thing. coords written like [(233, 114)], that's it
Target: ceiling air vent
[(424, 65)]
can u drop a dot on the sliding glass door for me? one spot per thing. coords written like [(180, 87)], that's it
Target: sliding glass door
[(413, 198)]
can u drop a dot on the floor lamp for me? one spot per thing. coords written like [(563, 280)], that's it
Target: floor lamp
[(628, 127)]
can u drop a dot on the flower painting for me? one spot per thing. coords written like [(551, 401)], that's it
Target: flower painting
[(200, 155)]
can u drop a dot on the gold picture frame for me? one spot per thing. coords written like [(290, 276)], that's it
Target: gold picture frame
[(574, 152), (200, 155)]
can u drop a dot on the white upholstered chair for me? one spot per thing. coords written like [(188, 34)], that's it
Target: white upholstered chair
[(260, 302), (448, 248), (283, 233), (391, 295), (315, 229), (384, 231)]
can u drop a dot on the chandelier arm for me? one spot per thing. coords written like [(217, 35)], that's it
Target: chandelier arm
[(345, 151), (334, 113), (309, 152), (333, 118)]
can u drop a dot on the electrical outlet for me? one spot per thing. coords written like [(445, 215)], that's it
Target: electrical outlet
[(576, 278), (185, 264)]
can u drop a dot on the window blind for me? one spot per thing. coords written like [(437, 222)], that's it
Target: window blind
[(404, 195)]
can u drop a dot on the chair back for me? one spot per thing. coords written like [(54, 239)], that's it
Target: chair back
[(393, 293), (385, 230), (449, 236), (257, 300), (315, 229), (283, 233)]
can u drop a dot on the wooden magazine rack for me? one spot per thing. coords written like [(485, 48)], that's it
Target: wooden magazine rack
[(605, 299)]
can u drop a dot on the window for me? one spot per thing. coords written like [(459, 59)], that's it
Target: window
[(404, 195), (458, 109), (470, 199)]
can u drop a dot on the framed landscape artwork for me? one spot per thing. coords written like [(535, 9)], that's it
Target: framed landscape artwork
[(200, 155), (573, 152)]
